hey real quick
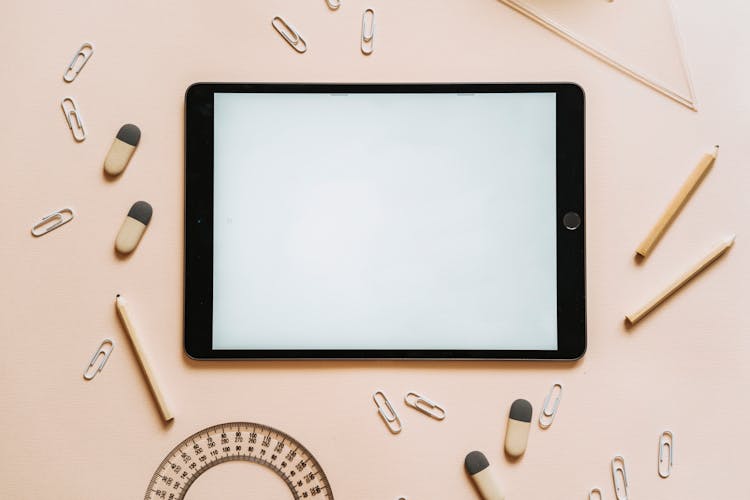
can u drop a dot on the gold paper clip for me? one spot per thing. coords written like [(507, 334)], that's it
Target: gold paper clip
[(429, 408), (597, 492), (62, 216), (547, 415), (333, 4), (666, 441), (289, 34), (83, 55), (367, 44), (390, 418), (71, 112), (102, 351), (618, 470)]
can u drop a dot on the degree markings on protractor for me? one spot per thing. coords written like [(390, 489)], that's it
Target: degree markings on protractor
[(246, 441)]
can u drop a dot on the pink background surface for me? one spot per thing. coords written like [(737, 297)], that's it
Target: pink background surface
[(684, 368)]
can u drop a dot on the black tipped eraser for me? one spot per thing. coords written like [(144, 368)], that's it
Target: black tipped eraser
[(520, 410), (517, 431), (478, 468), (122, 149), (133, 227), (129, 134), (141, 211), (475, 462)]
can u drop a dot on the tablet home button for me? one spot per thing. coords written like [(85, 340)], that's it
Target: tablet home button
[(571, 220)]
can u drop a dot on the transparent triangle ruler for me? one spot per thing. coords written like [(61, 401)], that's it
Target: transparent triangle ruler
[(636, 37)]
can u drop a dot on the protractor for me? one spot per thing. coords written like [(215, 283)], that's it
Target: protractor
[(239, 441)]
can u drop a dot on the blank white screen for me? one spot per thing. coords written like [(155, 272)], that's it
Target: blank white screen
[(384, 221)]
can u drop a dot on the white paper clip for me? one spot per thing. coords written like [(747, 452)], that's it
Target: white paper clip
[(597, 492), (83, 55), (666, 443), (618, 471), (289, 34), (58, 218), (71, 113), (333, 4), (102, 351), (367, 42), (547, 415), (387, 412), (424, 405)]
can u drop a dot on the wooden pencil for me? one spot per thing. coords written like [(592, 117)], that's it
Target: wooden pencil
[(142, 361), (681, 281), (679, 200)]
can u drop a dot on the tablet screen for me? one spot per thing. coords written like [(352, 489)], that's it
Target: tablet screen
[(384, 221)]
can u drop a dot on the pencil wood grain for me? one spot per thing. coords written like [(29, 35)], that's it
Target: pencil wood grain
[(142, 361), (674, 207), (694, 271)]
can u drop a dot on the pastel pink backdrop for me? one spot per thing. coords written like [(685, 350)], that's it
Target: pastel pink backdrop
[(684, 368)]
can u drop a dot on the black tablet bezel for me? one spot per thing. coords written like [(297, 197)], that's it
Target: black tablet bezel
[(571, 258)]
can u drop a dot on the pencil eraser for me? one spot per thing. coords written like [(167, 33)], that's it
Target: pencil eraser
[(517, 432), (122, 149), (477, 466), (133, 227)]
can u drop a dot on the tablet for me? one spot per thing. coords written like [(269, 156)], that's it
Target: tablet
[(384, 221)]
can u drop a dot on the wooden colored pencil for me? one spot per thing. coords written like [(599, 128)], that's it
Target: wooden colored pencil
[(674, 207), (142, 361), (694, 271)]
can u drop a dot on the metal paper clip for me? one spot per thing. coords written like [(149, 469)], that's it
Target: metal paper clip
[(71, 112), (103, 351), (367, 44), (666, 440), (289, 34), (421, 403), (547, 415), (333, 4), (62, 216), (595, 491), (618, 469), (390, 418), (83, 55)]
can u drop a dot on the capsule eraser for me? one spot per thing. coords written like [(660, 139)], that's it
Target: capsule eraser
[(477, 466), (133, 227), (517, 432), (122, 149)]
